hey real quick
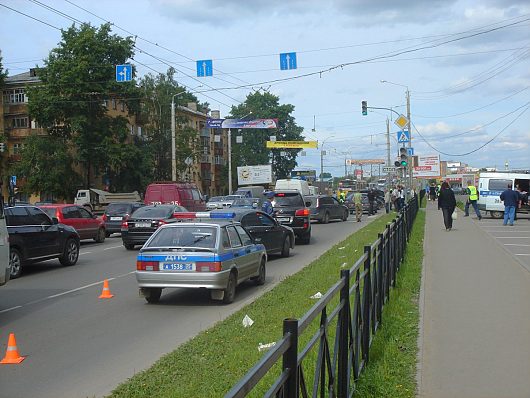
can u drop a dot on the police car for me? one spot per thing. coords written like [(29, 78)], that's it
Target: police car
[(214, 252)]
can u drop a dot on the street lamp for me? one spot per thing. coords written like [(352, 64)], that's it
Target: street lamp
[(173, 140), (322, 159), (230, 156)]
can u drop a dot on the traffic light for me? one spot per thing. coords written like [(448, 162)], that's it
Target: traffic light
[(364, 105), (2, 147), (404, 158)]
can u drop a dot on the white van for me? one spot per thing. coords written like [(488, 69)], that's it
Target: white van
[(299, 185), (490, 187), (4, 247)]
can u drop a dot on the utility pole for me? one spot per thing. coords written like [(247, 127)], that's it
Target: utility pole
[(173, 144), (229, 161), (388, 150), (410, 167)]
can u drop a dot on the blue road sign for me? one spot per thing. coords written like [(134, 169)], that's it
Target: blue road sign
[(287, 61), (403, 136), (13, 180), (204, 68), (410, 151), (124, 73)]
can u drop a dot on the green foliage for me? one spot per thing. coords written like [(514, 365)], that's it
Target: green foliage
[(47, 167), (158, 92), (79, 75), (3, 73), (253, 151)]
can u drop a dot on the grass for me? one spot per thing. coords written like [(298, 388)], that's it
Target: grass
[(212, 362)]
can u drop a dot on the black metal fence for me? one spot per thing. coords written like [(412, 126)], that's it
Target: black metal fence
[(341, 356)]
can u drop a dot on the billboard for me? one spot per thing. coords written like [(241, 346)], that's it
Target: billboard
[(242, 124), (360, 162), (428, 167), (249, 175), (292, 144)]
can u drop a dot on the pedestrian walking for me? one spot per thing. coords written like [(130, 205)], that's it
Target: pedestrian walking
[(358, 202), (511, 200), (447, 202), (387, 201), (472, 200), (266, 207), (432, 192), (371, 200), (401, 197)]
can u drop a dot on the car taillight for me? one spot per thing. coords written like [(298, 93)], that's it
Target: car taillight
[(214, 266), (302, 212), (147, 265), (125, 223)]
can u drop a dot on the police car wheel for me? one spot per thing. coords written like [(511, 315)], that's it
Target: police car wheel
[(497, 214), (260, 279), (230, 291), (152, 294)]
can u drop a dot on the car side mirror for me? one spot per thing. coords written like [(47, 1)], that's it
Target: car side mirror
[(55, 221), (307, 204)]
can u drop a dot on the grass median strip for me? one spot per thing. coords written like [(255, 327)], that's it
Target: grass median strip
[(212, 362)]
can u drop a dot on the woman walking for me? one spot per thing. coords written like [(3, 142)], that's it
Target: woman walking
[(447, 202)]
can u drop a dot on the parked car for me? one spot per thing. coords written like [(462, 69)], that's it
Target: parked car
[(290, 209), (175, 193), (229, 200), (348, 202), (247, 203), (35, 237), (324, 208), (4, 247), (139, 226), (277, 238), (87, 225), (114, 214), (215, 202), (215, 254)]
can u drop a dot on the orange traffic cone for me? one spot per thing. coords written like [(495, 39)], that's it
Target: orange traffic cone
[(12, 355), (105, 293)]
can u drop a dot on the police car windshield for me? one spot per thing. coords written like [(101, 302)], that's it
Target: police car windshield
[(191, 236)]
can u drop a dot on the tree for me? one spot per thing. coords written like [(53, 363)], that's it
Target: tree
[(3, 73), (253, 150), (158, 92), (79, 75), (46, 167)]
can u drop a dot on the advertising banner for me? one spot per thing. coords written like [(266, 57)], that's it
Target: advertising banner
[(428, 167), (360, 162), (250, 175), (292, 144), (250, 124), (214, 123)]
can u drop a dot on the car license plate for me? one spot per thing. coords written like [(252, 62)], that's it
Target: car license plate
[(178, 266), (143, 225), (115, 218), (284, 219)]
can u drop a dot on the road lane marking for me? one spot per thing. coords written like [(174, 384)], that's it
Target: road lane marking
[(512, 237), (85, 253), (503, 230), (64, 293), (117, 247), (522, 254), (516, 244)]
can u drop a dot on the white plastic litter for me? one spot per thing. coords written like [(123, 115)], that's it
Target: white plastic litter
[(247, 322), (342, 247), (343, 265), (263, 347), (317, 295)]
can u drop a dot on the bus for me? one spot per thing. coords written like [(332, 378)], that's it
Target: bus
[(491, 185)]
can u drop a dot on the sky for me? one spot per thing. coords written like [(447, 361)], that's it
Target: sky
[(464, 63)]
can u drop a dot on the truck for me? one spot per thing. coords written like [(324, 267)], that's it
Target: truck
[(96, 200), (300, 185), (250, 191)]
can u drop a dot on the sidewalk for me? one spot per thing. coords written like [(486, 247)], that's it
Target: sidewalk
[(475, 315)]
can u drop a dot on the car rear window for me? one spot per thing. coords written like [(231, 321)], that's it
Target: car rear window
[(185, 236), (288, 199), (153, 212), (118, 208)]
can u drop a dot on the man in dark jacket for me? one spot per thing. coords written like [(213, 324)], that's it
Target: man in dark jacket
[(447, 202), (371, 200), (510, 199)]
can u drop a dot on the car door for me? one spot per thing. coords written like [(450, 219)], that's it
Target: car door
[(21, 232), (252, 257), (90, 224), (72, 217), (46, 232), (261, 233), (238, 252), (337, 209)]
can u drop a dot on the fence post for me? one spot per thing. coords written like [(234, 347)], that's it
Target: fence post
[(290, 358), (344, 319), (367, 293)]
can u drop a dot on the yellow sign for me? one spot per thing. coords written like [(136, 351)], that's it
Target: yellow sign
[(292, 144), (401, 121)]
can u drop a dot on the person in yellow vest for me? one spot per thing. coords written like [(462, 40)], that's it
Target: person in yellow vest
[(472, 200)]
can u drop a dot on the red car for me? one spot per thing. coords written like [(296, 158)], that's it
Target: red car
[(87, 225)]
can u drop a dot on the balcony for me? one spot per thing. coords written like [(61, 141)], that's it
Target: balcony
[(205, 132), (206, 159), (206, 175), (219, 160)]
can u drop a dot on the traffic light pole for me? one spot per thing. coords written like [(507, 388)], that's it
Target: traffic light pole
[(410, 167)]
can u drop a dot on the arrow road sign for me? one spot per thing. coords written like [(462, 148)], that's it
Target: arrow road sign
[(287, 61), (389, 169), (123, 73), (403, 136), (410, 151), (204, 68)]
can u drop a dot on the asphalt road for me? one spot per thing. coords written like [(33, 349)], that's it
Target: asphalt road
[(80, 346)]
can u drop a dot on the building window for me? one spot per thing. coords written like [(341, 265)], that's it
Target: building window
[(105, 103), (114, 104), (20, 122), (17, 148), (15, 96), (35, 125), (122, 106)]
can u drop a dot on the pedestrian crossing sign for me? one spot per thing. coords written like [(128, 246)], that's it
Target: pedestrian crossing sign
[(403, 136)]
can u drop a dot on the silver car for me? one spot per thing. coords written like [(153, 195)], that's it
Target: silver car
[(215, 202), (216, 254)]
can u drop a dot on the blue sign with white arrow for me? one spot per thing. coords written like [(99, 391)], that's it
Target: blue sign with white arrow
[(410, 151), (287, 61), (403, 136), (204, 68), (124, 73)]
